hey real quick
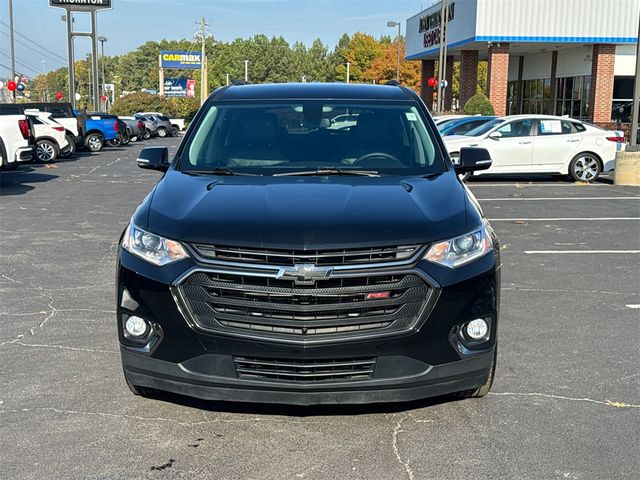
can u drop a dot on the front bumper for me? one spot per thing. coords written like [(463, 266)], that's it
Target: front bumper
[(427, 360), (428, 381)]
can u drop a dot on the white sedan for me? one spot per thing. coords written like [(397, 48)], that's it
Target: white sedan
[(542, 144)]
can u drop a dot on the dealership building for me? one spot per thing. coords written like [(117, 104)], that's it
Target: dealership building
[(563, 57)]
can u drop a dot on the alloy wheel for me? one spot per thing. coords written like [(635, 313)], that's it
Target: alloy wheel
[(586, 168), (45, 152), (95, 144)]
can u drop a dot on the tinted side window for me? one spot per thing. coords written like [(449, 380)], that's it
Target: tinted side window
[(519, 128)]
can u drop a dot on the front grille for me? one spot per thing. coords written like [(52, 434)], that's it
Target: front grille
[(305, 371), (318, 257), (242, 304)]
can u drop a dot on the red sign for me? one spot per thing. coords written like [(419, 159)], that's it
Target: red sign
[(12, 86), (191, 88), (58, 95)]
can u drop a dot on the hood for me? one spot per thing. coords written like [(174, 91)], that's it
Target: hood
[(306, 212), (461, 141)]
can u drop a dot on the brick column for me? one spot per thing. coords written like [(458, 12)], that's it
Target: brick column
[(448, 92), (554, 82), (468, 76), (601, 94), (427, 71), (498, 76)]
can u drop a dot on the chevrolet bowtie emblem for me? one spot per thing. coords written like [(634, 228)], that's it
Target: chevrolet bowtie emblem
[(304, 273)]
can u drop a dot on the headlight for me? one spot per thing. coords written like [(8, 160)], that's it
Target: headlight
[(461, 250), (152, 248)]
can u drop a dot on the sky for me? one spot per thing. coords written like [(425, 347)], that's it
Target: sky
[(41, 34)]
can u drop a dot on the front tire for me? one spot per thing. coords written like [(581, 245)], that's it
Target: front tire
[(585, 167), (484, 389), (147, 135), (162, 132), (94, 142), (46, 151), (115, 142)]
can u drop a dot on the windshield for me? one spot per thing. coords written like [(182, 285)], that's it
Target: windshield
[(484, 128), (309, 135)]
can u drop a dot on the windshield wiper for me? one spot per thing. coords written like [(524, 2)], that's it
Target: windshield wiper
[(217, 171), (330, 171)]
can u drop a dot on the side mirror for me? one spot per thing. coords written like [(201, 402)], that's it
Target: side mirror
[(154, 158), (495, 135), (473, 159)]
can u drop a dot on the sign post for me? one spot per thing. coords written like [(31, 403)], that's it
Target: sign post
[(75, 6)]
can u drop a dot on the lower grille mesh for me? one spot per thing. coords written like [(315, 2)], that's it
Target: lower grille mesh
[(305, 371)]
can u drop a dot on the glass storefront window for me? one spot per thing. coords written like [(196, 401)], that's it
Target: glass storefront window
[(572, 96)]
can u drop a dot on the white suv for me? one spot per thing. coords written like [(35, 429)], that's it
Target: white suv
[(51, 139), (15, 146)]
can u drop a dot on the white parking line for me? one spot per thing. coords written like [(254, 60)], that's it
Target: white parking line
[(632, 306), (563, 219), (533, 199), (534, 252)]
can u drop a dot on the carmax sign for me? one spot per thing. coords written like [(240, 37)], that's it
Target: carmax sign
[(81, 4), (179, 59)]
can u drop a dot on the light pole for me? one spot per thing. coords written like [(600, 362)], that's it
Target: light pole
[(392, 24), (246, 70), (348, 65), (46, 86), (11, 47), (103, 39)]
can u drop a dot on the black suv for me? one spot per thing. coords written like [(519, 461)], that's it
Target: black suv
[(284, 258)]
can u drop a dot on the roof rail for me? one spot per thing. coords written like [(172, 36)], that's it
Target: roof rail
[(394, 83)]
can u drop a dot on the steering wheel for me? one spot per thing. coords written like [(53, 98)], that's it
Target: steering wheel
[(380, 155)]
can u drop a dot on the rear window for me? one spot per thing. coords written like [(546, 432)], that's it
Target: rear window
[(273, 138)]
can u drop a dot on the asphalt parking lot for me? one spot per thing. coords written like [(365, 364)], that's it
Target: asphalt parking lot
[(565, 403)]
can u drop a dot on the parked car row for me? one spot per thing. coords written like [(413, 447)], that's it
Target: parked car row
[(46, 131), (534, 144)]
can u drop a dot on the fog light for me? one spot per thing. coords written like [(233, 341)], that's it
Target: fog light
[(135, 326), (477, 329)]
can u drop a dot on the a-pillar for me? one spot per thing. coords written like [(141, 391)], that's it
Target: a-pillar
[(448, 92), (427, 71), (468, 76), (601, 94), (498, 76)]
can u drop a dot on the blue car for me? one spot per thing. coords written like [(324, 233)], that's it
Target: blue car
[(460, 126)]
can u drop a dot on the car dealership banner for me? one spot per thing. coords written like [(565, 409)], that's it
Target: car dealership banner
[(179, 87), (180, 59)]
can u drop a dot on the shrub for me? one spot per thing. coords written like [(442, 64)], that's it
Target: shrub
[(478, 105), (177, 107)]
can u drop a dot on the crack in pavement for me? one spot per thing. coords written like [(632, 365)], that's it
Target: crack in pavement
[(608, 403), (124, 416), (396, 431), (44, 292), (61, 347)]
